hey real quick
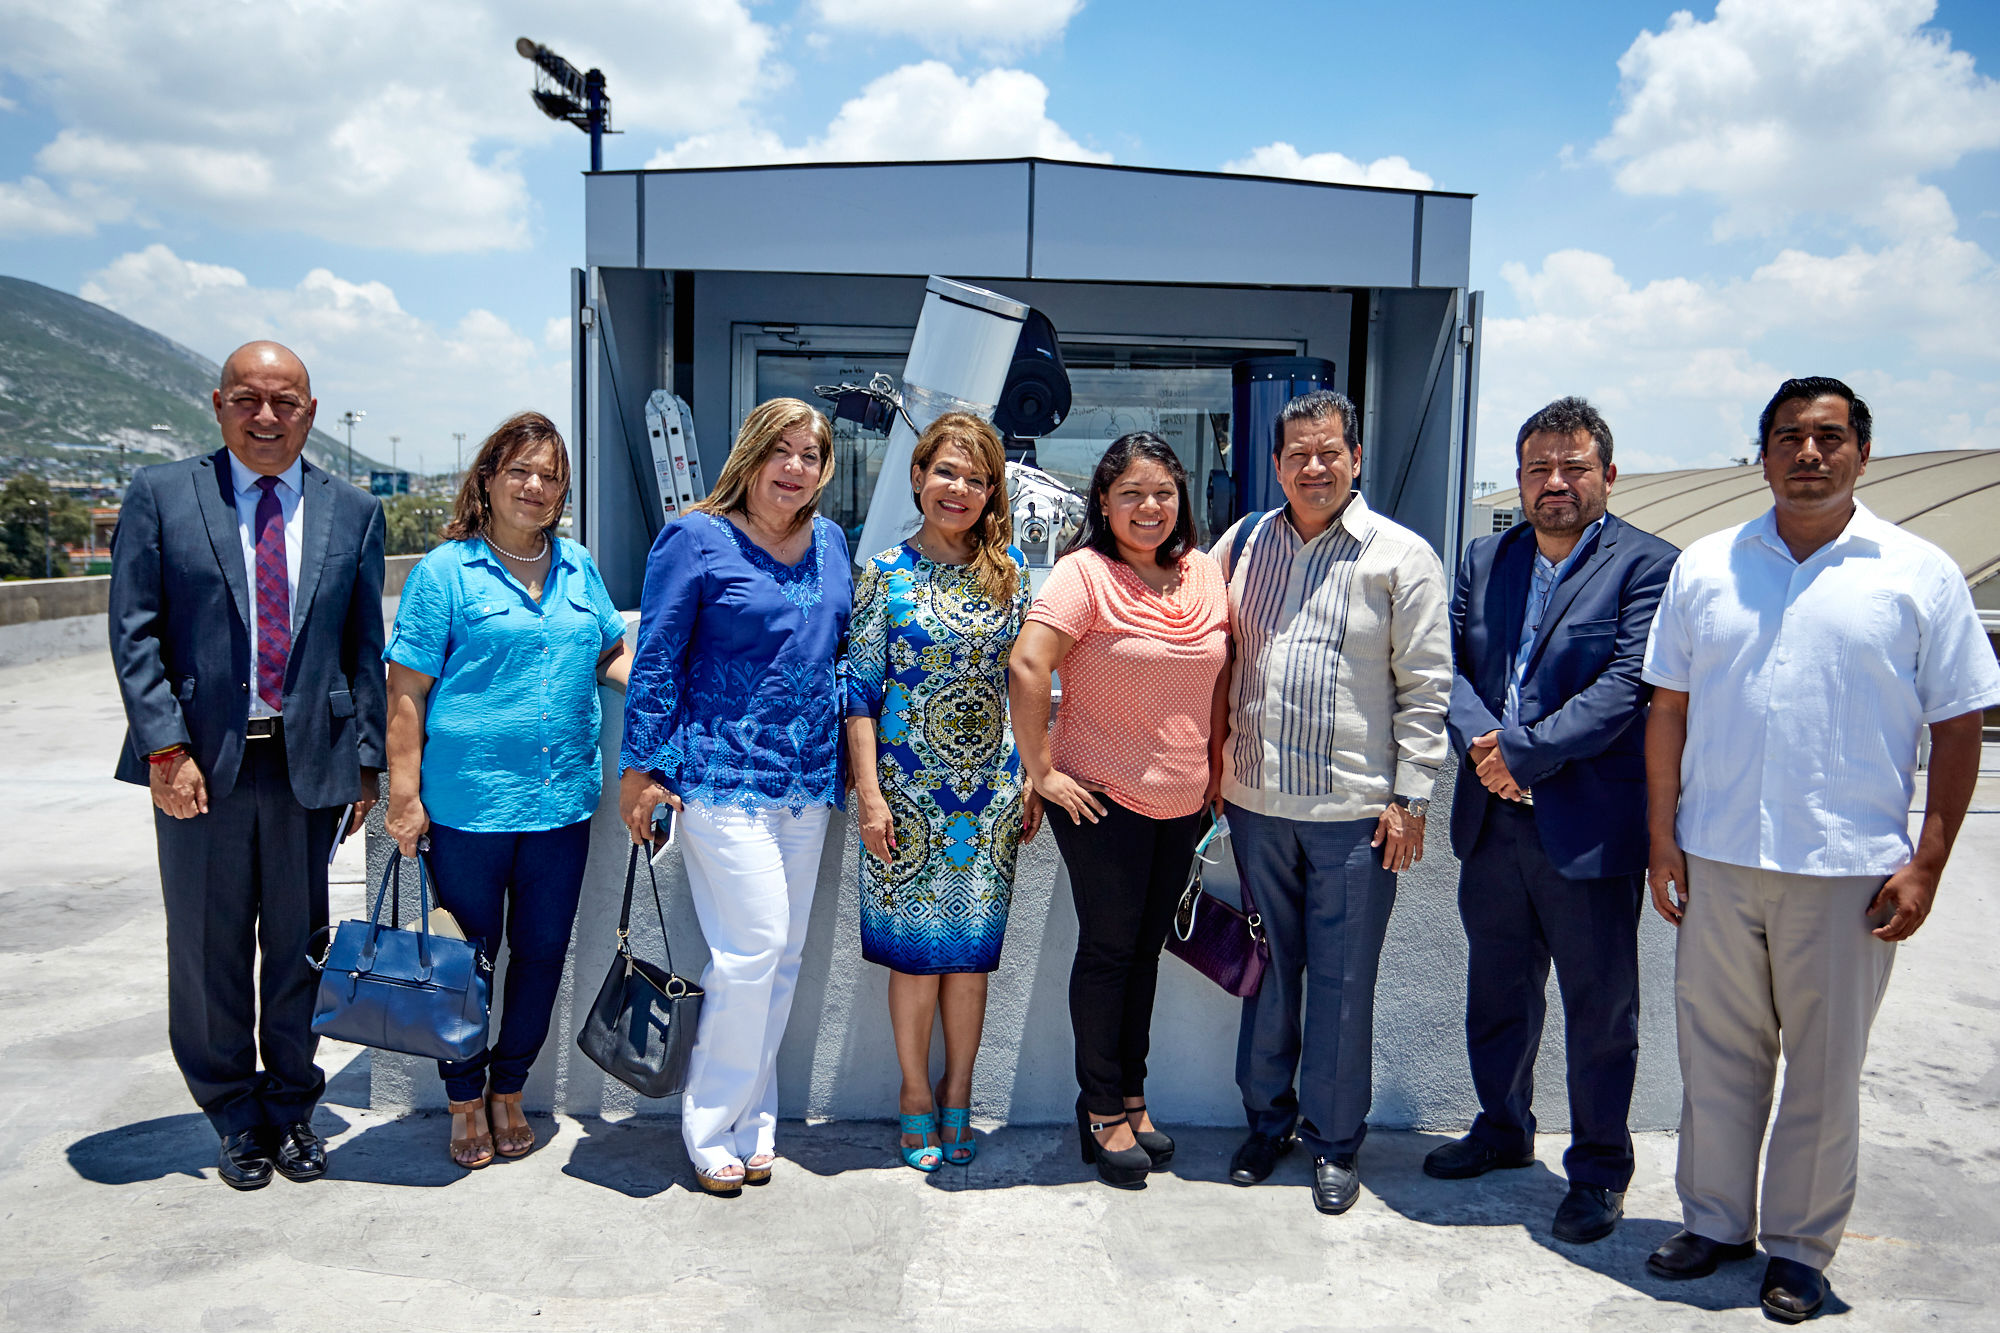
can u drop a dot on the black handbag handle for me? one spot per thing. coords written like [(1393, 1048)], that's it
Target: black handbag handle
[(625, 909)]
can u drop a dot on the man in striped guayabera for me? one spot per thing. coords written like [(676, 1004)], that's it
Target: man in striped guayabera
[(1336, 731)]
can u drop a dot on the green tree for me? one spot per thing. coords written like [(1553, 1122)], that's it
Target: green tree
[(413, 524), (35, 524)]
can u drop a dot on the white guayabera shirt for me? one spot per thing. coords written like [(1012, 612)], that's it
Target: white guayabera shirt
[(1808, 682)]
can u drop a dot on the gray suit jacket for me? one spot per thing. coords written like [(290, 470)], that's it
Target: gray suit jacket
[(180, 639)]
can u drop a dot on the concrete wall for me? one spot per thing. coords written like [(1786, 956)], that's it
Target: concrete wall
[(838, 1058)]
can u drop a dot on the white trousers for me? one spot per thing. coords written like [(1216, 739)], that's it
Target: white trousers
[(1769, 961), (752, 874)]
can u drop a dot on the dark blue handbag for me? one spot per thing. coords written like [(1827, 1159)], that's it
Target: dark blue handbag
[(403, 990)]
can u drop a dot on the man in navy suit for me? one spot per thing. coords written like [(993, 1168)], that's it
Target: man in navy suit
[(246, 629), (1549, 623)]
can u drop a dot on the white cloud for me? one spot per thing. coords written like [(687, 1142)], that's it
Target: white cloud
[(946, 25), (920, 111), (373, 122), (1281, 159), (413, 378), (31, 207), (1783, 107)]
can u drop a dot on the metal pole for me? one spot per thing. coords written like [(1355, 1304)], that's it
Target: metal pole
[(593, 87), (459, 436)]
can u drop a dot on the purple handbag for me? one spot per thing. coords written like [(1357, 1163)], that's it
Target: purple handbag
[(1213, 937)]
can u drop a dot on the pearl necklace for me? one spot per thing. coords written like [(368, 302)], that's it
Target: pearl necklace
[(519, 559)]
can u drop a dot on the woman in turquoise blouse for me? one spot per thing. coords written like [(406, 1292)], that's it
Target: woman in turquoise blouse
[(500, 637)]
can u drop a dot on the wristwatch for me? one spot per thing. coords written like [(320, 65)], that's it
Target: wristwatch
[(1419, 806)]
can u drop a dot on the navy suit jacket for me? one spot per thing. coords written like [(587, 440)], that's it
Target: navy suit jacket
[(1580, 745), (180, 638)]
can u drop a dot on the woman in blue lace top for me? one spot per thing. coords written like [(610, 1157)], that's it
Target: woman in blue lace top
[(732, 717)]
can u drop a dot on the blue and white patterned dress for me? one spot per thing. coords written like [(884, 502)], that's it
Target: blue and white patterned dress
[(927, 659), (735, 696)]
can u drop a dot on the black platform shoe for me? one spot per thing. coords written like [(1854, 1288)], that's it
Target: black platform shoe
[(1124, 1168), (1159, 1147)]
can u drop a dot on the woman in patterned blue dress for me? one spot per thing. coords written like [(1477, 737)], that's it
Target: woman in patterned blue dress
[(941, 803)]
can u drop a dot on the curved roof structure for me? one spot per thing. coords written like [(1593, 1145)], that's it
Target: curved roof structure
[(1950, 497)]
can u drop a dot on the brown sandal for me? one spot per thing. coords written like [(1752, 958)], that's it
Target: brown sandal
[(726, 1186), (515, 1137), (475, 1149), (757, 1170)]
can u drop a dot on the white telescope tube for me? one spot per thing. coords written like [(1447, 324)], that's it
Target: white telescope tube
[(958, 362)]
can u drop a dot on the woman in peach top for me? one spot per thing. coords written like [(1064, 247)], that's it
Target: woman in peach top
[(1136, 616)]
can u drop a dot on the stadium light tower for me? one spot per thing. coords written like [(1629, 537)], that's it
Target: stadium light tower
[(563, 94), (347, 419)]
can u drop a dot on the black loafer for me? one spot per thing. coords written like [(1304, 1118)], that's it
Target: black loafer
[(1588, 1213), (300, 1154), (1792, 1292), (245, 1161), (1336, 1184), (1462, 1159), (1685, 1255), (1258, 1157)]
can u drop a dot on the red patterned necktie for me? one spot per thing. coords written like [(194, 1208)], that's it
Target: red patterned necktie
[(274, 598)]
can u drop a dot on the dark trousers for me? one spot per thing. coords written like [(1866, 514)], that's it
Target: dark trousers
[(249, 875), (1325, 899), (1520, 913), (525, 886), (1126, 872)]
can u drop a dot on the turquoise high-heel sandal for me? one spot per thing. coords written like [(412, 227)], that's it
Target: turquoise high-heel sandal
[(926, 1157), (961, 1150)]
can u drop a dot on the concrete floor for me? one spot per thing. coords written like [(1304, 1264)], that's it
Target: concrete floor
[(113, 1220)]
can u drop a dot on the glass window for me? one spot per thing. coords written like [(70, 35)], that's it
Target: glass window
[(791, 373)]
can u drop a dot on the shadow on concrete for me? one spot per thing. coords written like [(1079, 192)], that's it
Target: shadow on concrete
[(174, 1145), (351, 1086), (411, 1150), (638, 1158)]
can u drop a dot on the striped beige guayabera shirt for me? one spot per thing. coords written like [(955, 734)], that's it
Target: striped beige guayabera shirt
[(1342, 675)]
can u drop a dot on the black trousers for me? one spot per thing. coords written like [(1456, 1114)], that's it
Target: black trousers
[(1519, 914), (248, 876), (1126, 872)]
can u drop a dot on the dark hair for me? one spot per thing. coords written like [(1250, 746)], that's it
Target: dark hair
[(1565, 417), (510, 439), (1806, 389), (1138, 447), (1318, 405)]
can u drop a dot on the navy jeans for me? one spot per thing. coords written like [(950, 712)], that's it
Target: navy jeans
[(1325, 899), (1520, 913), (525, 885)]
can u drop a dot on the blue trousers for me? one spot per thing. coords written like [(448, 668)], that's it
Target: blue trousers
[(1325, 899), (523, 886), (1519, 913)]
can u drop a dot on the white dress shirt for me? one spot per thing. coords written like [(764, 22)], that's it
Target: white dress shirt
[(1342, 677), (291, 504), (1808, 683)]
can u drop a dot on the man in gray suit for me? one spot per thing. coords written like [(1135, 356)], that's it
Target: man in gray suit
[(246, 629)]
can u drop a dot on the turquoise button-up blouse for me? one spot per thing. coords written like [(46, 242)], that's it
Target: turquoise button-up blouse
[(511, 736)]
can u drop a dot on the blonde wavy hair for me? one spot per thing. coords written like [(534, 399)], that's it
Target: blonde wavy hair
[(993, 533), (756, 441)]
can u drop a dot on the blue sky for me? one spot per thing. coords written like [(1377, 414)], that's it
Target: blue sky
[(1675, 208)]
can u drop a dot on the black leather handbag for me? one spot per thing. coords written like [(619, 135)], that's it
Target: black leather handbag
[(403, 990), (1210, 935), (641, 1028)]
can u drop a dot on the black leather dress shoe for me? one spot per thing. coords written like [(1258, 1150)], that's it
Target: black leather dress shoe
[(1792, 1292), (1258, 1157), (1462, 1159), (1336, 1184), (1685, 1255), (1588, 1213), (300, 1154), (245, 1162)]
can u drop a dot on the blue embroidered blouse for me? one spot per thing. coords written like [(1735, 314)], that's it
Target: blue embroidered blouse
[(735, 696)]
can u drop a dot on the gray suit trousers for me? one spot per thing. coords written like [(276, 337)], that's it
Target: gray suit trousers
[(1772, 963)]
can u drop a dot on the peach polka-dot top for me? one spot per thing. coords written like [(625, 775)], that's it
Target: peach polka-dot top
[(1138, 685)]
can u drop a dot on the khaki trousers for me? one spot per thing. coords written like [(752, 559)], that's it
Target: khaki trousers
[(1769, 961)]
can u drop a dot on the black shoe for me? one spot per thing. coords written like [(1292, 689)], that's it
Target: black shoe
[(1336, 1184), (245, 1162), (1588, 1213), (1685, 1255), (1124, 1168), (1792, 1292), (300, 1154), (1462, 1159), (1158, 1147), (1258, 1157)]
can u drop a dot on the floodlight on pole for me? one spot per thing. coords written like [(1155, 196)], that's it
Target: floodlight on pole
[(564, 94), (347, 419), (459, 436)]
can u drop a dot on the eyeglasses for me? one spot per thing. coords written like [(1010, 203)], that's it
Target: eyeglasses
[(284, 406), (1328, 458)]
